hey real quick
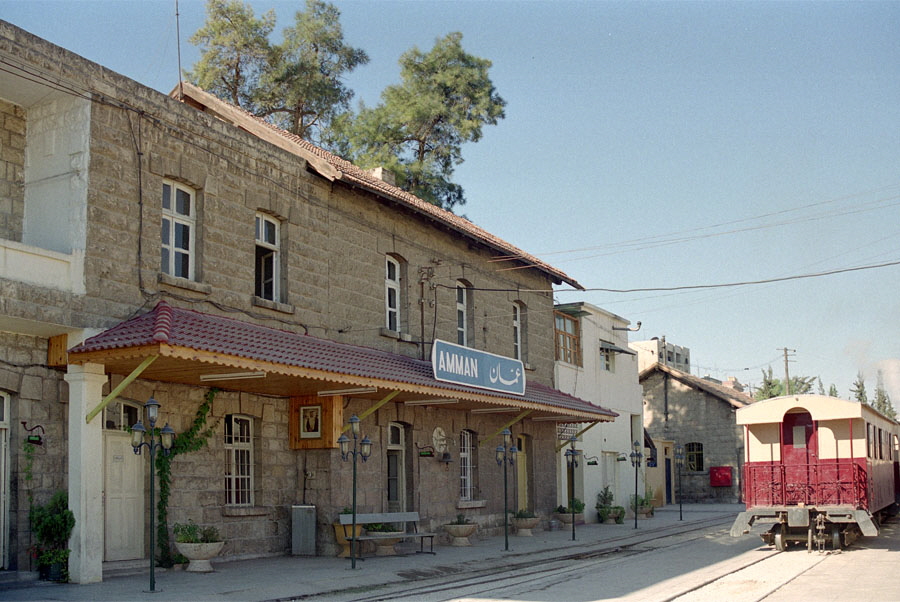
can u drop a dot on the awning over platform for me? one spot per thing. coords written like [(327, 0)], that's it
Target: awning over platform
[(199, 349)]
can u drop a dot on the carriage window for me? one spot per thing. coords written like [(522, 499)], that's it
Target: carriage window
[(799, 437), (880, 444), (870, 443)]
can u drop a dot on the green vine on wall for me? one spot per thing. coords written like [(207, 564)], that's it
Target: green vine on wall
[(190, 440)]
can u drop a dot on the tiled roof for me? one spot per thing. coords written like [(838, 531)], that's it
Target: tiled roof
[(198, 331), (734, 398), (334, 167)]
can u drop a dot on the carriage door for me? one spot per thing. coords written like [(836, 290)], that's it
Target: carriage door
[(123, 486), (799, 456)]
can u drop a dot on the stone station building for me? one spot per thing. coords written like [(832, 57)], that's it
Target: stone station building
[(179, 248)]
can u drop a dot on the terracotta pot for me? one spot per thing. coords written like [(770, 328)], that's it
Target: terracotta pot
[(385, 547), (459, 534), (199, 555), (525, 525), (567, 518)]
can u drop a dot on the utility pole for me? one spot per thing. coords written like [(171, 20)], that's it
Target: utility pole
[(787, 377)]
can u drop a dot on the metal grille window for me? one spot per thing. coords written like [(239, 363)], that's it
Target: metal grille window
[(467, 465), (267, 259), (693, 456), (392, 294), (568, 339), (178, 225), (238, 460)]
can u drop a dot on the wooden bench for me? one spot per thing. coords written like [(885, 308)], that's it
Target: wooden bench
[(389, 517)]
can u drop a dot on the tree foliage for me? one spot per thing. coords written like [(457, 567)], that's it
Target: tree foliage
[(882, 401), (444, 100), (235, 51), (774, 387), (858, 389)]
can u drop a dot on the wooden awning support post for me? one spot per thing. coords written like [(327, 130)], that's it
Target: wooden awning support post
[(115, 392)]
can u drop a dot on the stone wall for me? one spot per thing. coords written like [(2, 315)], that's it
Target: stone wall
[(12, 170), (696, 416)]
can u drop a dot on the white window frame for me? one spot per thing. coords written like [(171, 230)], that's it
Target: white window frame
[(517, 331), (468, 465), (607, 358), (239, 468), (392, 294), (172, 218), (267, 251), (462, 313)]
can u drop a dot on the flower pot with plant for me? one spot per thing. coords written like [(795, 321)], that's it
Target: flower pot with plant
[(343, 534), (606, 511), (564, 513), (52, 526), (197, 544), (460, 530), (642, 506), (384, 544), (524, 521)]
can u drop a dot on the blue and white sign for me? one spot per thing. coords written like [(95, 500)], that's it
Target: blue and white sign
[(464, 366)]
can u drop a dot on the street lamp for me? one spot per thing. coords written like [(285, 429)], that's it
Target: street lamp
[(572, 461), (636, 456), (364, 451), (165, 438), (679, 462), (506, 455)]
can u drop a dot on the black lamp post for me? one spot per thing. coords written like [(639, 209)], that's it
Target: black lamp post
[(572, 461), (364, 451), (164, 439), (636, 457), (679, 462), (506, 455)]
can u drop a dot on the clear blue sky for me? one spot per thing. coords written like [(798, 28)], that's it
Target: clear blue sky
[(648, 145)]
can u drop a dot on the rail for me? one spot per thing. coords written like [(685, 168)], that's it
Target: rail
[(827, 483)]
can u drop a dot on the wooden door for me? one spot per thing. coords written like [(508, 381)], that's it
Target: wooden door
[(799, 455), (123, 498), (521, 473)]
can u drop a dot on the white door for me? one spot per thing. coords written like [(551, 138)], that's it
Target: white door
[(123, 498)]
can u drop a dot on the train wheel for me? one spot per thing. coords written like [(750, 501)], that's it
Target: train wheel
[(836, 538), (781, 538)]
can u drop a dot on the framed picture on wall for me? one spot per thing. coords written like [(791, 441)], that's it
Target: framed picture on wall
[(310, 422)]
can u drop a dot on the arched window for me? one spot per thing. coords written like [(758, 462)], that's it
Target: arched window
[(520, 331), (693, 456), (238, 460), (267, 273), (464, 312)]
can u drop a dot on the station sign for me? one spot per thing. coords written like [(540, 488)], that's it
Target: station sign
[(465, 366)]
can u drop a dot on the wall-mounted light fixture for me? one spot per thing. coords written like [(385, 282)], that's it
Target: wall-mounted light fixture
[(356, 391), (638, 327), (232, 376)]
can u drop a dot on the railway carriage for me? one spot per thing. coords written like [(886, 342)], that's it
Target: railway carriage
[(820, 469)]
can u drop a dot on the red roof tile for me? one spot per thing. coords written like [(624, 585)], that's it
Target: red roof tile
[(206, 332)]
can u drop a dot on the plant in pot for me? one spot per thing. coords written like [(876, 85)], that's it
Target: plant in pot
[(564, 513), (606, 511), (343, 533), (459, 530), (524, 521), (197, 544), (642, 506), (384, 544), (52, 526)]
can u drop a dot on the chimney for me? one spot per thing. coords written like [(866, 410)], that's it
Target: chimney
[(382, 174)]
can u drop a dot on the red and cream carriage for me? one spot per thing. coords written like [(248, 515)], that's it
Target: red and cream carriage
[(817, 468)]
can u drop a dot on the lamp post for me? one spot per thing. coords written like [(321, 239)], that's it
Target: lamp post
[(636, 456), (572, 461), (364, 451), (163, 439), (506, 455), (679, 462)]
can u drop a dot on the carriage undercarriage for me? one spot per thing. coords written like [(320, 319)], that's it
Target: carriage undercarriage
[(818, 528)]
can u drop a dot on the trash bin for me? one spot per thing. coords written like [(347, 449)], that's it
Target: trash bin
[(303, 530)]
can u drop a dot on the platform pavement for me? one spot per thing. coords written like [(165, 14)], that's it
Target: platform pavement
[(284, 577)]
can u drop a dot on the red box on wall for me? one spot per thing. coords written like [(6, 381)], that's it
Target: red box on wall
[(720, 476)]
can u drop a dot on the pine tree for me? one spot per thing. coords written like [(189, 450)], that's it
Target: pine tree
[(882, 401), (858, 389)]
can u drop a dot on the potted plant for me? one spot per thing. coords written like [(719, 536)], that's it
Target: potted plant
[(384, 546), (606, 512), (564, 513), (524, 521), (197, 544), (642, 506), (52, 526), (342, 533), (460, 530)]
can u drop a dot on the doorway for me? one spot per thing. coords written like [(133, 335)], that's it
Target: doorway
[(124, 474), (799, 454), (398, 468), (521, 473)]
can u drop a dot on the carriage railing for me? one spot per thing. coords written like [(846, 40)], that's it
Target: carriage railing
[(827, 483)]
